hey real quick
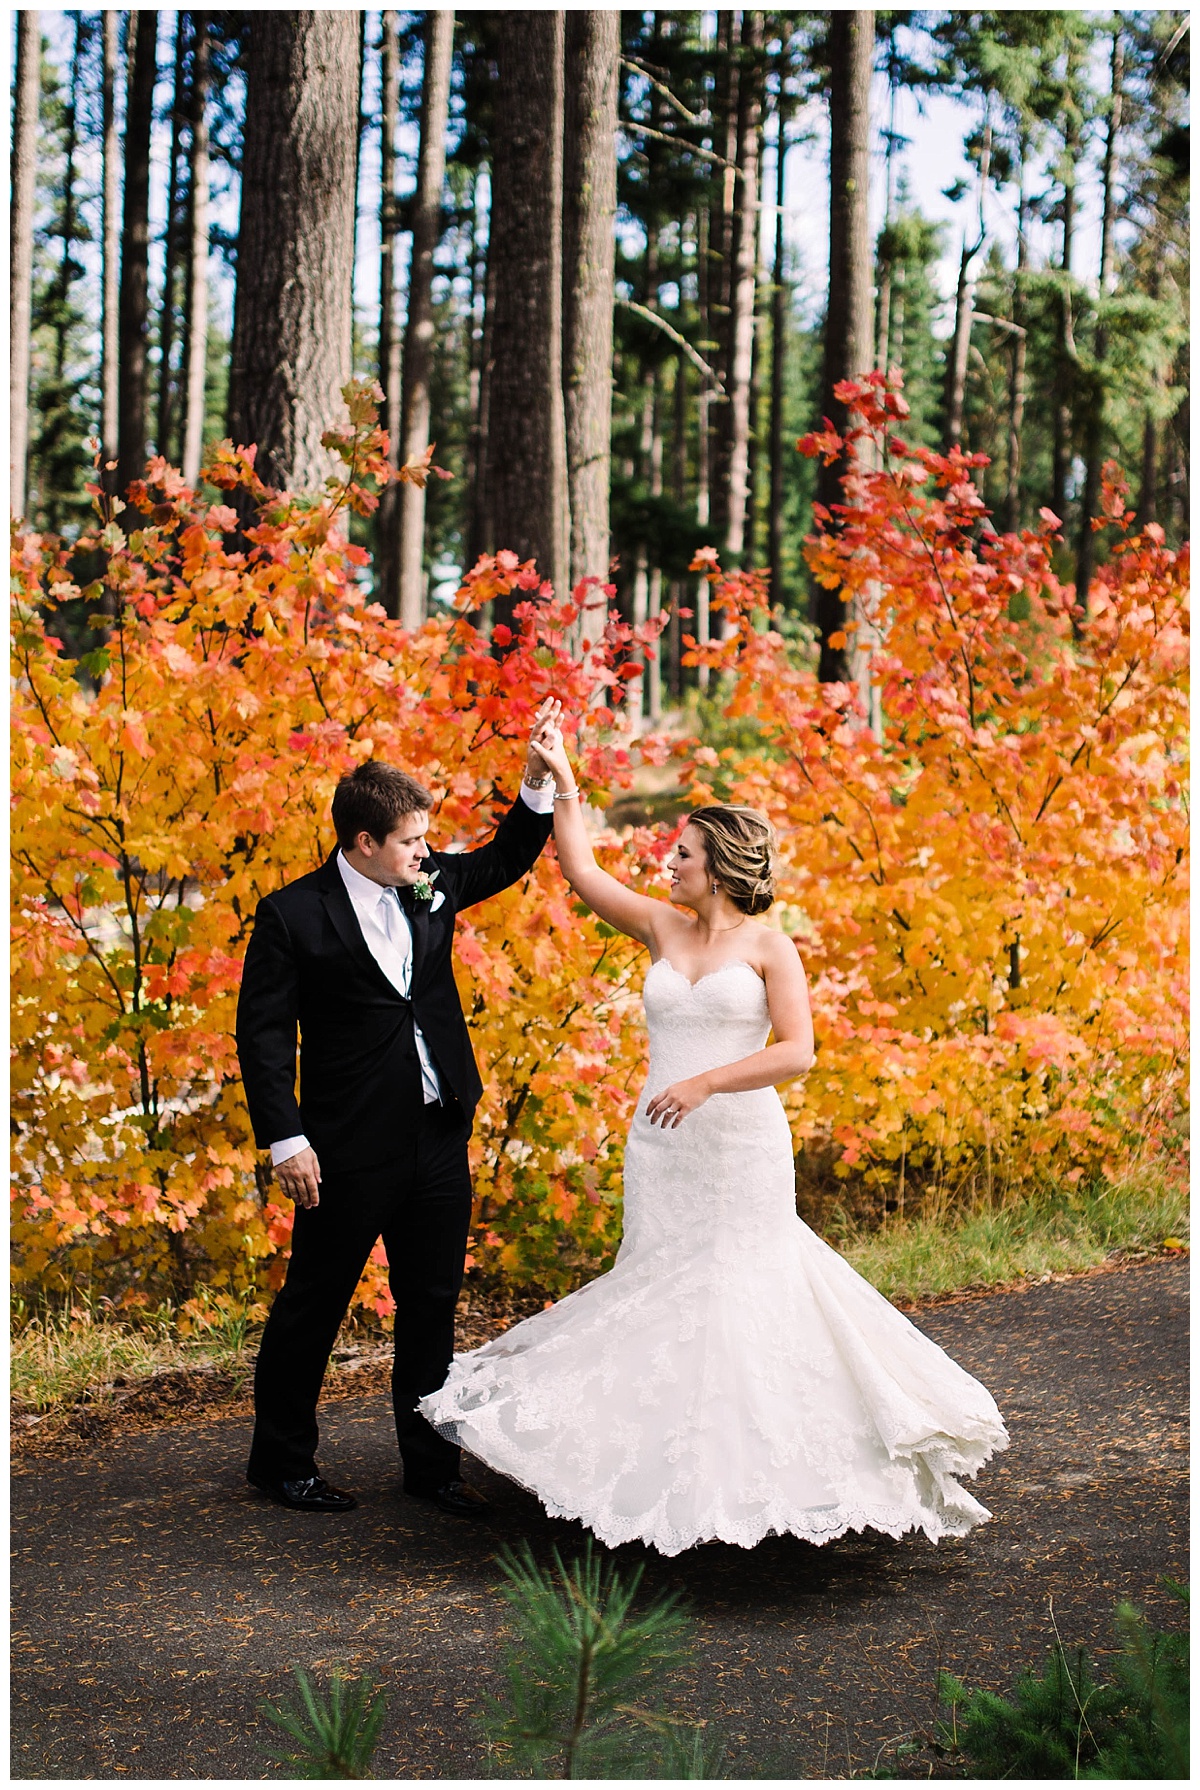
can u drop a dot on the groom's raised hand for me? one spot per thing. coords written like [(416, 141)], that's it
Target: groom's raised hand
[(300, 1178)]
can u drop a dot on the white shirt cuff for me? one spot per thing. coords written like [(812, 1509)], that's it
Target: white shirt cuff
[(540, 800), (290, 1146)]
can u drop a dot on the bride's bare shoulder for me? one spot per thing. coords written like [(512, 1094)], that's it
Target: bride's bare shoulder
[(771, 948)]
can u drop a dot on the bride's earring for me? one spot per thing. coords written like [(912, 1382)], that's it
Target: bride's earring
[(714, 887)]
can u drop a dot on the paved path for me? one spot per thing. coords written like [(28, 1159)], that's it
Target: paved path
[(156, 1600)]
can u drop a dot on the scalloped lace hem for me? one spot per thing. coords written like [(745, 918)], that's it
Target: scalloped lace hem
[(951, 1514)]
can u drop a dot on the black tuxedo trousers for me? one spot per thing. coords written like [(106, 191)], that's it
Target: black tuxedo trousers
[(419, 1203)]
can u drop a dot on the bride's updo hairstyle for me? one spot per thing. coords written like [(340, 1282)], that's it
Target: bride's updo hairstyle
[(739, 846)]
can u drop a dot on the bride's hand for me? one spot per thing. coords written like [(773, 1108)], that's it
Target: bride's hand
[(674, 1104), (546, 746)]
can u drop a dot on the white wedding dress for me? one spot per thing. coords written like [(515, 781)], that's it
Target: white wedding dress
[(731, 1377)]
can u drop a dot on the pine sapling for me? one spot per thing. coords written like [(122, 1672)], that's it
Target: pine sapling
[(582, 1675), (334, 1737)]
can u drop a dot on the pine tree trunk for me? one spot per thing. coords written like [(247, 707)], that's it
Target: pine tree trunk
[(959, 351), (778, 340), (133, 383), (20, 266), (67, 266), (527, 449), (293, 313), (676, 592), (111, 257), (848, 336), (196, 337), (778, 358), (1094, 444), (593, 47), (387, 517), (480, 533), (723, 275), (704, 432), (743, 290), (1064, 379), (172, 235), (418, 329), (1148, 493), (964, 313), (1017, 350)]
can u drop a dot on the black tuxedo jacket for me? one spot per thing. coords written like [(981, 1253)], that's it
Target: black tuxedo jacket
[(308, 966)]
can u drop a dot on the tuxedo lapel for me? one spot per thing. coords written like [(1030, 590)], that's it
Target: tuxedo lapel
[(345, 922)]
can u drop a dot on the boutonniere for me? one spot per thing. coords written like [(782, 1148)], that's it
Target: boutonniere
[(423, 885)]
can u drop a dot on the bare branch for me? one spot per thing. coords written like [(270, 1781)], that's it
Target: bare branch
[(681, 342), (640, 68), (708, 155)]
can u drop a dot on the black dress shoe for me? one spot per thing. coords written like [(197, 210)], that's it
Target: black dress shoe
[(455, 1498), (305, 1494)]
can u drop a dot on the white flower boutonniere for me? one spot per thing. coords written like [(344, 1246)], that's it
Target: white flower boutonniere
[(423, 885)]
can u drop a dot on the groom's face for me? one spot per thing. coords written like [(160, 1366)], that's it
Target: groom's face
[(397, 861)]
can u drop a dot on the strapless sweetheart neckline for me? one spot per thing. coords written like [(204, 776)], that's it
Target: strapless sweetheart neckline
[(734, 963)]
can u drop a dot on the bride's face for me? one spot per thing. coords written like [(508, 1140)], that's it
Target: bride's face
[(690, 881)]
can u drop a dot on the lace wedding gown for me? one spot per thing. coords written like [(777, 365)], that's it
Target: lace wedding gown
[(731, 1377)]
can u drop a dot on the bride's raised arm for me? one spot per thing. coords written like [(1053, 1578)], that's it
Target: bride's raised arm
[(621, 907)]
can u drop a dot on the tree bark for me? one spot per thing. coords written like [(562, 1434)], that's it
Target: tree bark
[(676, 592), (20, 267), (1147, 510), (172, 234), (1064, 380), (593, 47), (527, 449), (848, 343), (1094, 443), (779, 332), (704, 433), (723, 276), (960, 348), (480, 533), (744, 290), (387, 517), (111, 257), (196, 357), (1016, 377), (293, 314), (418, 329), (133, 382), (67, 269), (964, 313)]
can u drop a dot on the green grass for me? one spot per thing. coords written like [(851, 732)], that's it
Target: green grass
[(1059, 1233), (59, 1356)]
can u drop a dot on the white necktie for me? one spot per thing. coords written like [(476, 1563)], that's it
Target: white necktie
[(399, 935)]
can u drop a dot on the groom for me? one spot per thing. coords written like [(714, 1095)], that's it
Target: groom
[(358, 956)]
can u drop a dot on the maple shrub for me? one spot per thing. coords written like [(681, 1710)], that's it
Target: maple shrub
[(990, 900), (153, 810)]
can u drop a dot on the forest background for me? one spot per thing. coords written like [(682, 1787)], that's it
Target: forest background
[(575, 251)]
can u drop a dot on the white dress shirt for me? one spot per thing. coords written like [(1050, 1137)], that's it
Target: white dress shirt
[(388, 936)]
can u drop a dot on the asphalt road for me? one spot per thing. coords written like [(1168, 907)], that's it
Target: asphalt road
[(157, 1600)]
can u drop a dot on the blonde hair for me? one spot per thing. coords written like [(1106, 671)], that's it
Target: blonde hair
[(739, 848)]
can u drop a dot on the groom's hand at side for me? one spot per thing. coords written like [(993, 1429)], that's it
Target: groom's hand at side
[(300, 1178)]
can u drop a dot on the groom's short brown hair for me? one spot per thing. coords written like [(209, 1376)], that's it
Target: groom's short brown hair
[(374, 798)]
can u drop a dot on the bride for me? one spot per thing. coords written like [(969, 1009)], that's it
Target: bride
[(731, 1377)]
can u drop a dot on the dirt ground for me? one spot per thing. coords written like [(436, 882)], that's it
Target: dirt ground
[(157, 1600)]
